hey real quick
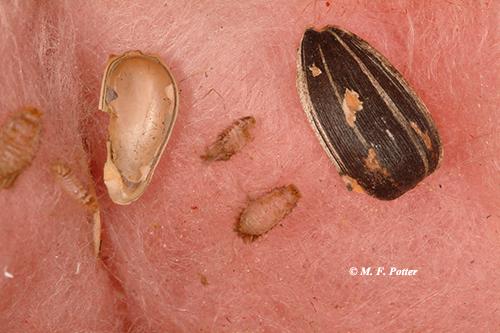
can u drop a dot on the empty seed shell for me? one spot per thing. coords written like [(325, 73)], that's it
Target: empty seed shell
[(374, 128), (19, 141), (141, 97), (265, 212), (84, 195), (231, 140)]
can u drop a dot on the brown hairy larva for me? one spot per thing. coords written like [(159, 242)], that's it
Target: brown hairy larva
[(266, 211), (141, 97), (19, 141), (84, 195), (231, 140)]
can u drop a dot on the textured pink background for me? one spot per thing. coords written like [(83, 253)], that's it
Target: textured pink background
[(232, 59)]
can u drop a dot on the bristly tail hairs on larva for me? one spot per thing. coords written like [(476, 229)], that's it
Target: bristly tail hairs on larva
[(81, 193)]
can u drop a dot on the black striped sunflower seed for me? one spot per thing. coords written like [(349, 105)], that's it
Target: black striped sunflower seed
[(372, 125)]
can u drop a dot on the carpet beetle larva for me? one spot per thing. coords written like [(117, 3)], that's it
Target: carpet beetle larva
[(231, 140), (19, 141), (266, 211), (72, 185), (371, 124), (141, 97), (84, 195)]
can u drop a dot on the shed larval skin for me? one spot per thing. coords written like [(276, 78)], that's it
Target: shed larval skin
[(171, 261)]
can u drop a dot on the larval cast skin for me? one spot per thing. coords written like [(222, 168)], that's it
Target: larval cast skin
[(141, 97)]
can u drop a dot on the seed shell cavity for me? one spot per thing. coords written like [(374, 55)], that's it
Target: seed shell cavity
[(373, 164), (84, 195), (350, 105), (19, 143), (424, 136), (373, 127), (315, 71), (231, 140), (265, 212), (141, 96)]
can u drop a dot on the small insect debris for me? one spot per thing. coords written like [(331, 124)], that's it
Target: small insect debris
[(7, 274), (142, 99), (203, 280), (77, 271), (84, 195), (265, 212), (372, 125), (231, 140), (19, 142)]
